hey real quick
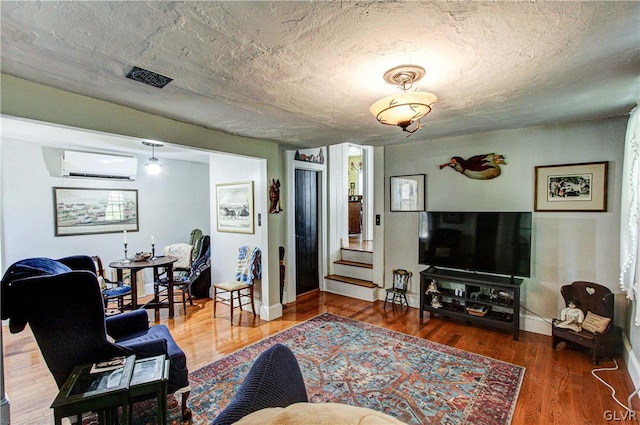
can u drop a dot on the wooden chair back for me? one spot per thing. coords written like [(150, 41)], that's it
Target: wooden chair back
[(590, 296)]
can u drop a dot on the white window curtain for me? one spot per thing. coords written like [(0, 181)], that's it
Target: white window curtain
[(630, 213)]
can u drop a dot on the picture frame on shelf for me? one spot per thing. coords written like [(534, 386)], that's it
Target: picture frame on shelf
[(580, 187), (235, 207), (407, 192), (86, 211)]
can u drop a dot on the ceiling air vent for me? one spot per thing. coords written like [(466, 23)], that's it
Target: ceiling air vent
[(150, 78)]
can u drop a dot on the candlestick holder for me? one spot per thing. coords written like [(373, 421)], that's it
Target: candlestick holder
[(153, 251), (126, 259)]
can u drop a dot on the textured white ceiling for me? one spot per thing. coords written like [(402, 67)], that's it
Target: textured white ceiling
[(306, 73)]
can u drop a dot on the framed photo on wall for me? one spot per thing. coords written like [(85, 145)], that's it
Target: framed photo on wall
[(407, 193), (82, 211), (235, 207), (571, 187)]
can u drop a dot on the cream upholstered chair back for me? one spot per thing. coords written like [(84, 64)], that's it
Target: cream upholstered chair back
[(183, 252)]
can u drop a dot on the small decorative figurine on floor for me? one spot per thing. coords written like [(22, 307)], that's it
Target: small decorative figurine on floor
[(571, 317)]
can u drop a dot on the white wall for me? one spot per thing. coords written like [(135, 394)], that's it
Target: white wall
[(225, 245), (566, 246), (171, 204)]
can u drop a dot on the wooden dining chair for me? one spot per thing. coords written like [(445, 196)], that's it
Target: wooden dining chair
[(181, 273), (112, 292), (248, 270), (398, 291)]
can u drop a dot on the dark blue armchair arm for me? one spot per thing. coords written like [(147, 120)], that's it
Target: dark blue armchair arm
[(144, 349), (126, 324)]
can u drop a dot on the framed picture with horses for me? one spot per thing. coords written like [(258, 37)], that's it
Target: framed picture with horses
[(235, 207)]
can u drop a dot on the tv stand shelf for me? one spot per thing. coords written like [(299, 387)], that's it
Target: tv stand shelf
[(475, 298)]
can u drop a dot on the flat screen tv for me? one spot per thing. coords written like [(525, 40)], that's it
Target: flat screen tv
[(487, 242)]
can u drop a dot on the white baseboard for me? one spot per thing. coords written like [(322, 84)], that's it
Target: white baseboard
[(633, 365), (413, 299), (535, 324), (270, 312)]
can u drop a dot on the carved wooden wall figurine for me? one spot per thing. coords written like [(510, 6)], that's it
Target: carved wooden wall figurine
[(274, 197)]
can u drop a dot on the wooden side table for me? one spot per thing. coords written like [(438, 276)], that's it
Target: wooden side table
[(151, 375), (102, 392)]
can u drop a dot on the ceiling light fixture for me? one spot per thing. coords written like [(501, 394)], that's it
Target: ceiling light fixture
[(153, 165), (408, 107)]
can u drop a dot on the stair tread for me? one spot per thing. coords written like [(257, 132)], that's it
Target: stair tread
[(368, 251), (355, 264), (352, 280)]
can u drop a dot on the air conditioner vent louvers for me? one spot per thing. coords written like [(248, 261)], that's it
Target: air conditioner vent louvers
[(149, 78), (98, 176), (99, 166)]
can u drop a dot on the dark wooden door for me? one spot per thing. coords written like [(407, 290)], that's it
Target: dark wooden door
[(307, 269)]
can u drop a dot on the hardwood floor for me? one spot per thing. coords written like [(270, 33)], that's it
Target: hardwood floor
[(558, 387), (356, 243)]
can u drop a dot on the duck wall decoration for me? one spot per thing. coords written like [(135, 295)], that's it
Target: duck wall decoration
[(479, 167)]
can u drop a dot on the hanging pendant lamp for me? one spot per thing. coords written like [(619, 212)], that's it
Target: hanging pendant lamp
[(153, 165)]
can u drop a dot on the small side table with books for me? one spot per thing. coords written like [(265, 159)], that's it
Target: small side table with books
[(96, 387), (105, 386)]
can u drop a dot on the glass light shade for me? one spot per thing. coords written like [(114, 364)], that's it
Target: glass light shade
[(403, 109), (153, 166)]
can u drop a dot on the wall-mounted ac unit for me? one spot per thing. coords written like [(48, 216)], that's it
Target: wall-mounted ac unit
[(98, 166)]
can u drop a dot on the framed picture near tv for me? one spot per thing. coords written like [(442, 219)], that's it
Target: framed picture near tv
[(407, 193), (571, 187)]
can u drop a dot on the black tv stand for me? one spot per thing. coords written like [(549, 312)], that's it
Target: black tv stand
[(473, 297)]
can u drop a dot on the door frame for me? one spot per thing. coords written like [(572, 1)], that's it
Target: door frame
[(290, 254)]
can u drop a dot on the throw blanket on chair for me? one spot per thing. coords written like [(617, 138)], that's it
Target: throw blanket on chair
[(29, 267), (249, 265)]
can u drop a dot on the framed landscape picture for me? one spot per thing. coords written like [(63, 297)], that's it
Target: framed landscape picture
[(82, 211), (571, 187), (235, 207), (407, 193)]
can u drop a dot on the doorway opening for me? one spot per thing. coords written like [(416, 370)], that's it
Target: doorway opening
[(360, 202), (307, 226)]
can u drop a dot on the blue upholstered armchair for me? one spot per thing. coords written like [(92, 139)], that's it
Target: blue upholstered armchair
[(62, 302)]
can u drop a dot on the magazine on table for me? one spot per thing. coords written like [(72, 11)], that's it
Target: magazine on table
[(148, 370), (111, 364)]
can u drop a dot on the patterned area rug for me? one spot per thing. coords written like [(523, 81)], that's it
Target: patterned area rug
[(352, 362)]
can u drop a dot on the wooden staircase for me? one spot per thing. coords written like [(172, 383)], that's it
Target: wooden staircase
[(353, 275)]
